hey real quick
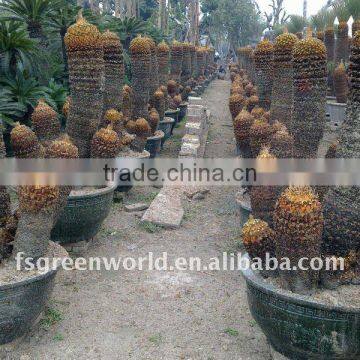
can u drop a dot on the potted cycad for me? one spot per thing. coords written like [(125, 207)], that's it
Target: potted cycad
[(312, 312)]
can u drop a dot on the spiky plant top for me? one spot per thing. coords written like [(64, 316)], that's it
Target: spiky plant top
[(141, 59), (258, 238), (186, 64), (62, 149), (116, 119), (127, 102), (341, 87), (242, 125), (142, 128), (154, 119), (159, 103), (105, 144), (282, 144), (298, 224), (114, 70), (154, 67), (172, 87), (176, 60), (252, 102), (163, 54), (24, 142), (236, 104), (82, 36), (66, 106), (36, 197), (258, 112), (45, 121), (263, 198), (260, 133), (200, 59), (264, 66), (309, 84)]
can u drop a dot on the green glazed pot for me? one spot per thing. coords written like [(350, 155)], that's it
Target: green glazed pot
[(83, 216), (303, 329)]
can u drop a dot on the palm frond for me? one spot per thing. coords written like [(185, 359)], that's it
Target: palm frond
[(341, 11)]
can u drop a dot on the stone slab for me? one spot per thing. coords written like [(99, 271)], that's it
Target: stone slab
[(193, 129), (191, 139), (194, 100), (166, 209), (188, 149)]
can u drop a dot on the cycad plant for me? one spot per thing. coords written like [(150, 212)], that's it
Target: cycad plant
[(31, 12), (296, 25), (318, 22), (176, 59), (16, 48), (341, 205), (309, 84), (140, 60), (282, 92), (86, 73), (163, 55), (342, 38), (353, 8)]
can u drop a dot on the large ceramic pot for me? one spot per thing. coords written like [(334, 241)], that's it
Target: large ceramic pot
[(22, 303), (183, 108), (83, 216), (174, 114), (303, 329), (126, 187), (153, 144), (166, 126), (242, 198)]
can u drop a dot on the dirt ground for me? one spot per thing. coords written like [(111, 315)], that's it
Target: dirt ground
[(157, 315)]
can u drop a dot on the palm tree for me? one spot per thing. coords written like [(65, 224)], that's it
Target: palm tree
[(31, 12), (342, 40), (353, 7), (16, 48), (63, 15)]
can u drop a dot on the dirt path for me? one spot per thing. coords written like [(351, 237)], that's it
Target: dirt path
[(157, 315)]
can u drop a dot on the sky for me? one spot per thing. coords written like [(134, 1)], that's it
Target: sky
[(295, 6)]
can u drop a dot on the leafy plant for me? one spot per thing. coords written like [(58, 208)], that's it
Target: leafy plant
[(10, 110), (15, 47), (25, 91), (31, 12), (296, 24), (57, 93)]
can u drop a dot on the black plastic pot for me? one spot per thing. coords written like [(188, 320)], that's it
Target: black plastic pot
[(83, 216), (183, 109), (166, 126), (301, 329), (124, 188), (153, 144), (174, 114), (22, 303)]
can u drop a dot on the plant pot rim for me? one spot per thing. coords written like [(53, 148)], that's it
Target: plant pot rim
[(172, 111), (184, 104), (157, 137), (94, 193), (32, 279), (334, 103), (167, 120), (258, 282), (239, 200)]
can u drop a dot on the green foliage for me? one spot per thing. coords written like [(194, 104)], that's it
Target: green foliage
[(24, 92), (231, 332), (296, 24), (236, 21), (51, 317), (9, 109), (31, 12), (319, 20), (341, 10), (16, 49), (353, 8), (57, 93)]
